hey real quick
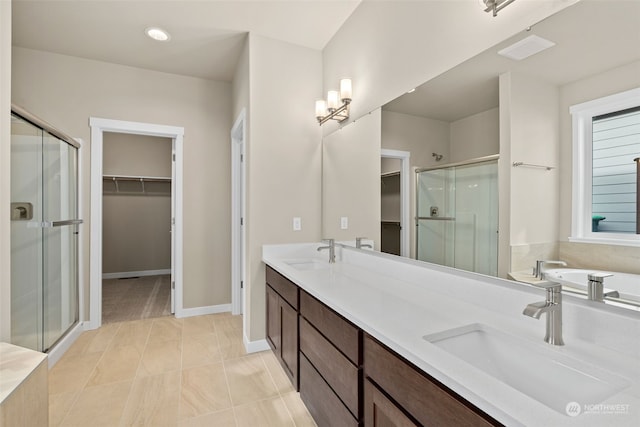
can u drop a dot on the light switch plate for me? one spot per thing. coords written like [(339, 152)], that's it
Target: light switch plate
[(344, 222), (297, 223)]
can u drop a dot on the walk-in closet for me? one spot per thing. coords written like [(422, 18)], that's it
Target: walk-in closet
[(136, 244), (390, 202)]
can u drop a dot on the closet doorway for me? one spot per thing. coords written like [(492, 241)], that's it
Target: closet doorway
[(136, 221), (136, 227), (395, 200)]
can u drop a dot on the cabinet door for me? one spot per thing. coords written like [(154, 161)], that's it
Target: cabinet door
[(289, 340), (379, 411), (273, 320)]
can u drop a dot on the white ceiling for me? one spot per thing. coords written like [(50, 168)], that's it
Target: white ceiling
[(591, 37), (207, 36)]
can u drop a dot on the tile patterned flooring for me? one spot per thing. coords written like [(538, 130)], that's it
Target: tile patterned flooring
[(171, 372)]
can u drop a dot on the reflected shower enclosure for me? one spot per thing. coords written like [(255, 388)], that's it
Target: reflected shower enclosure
[(44, 235), (457, 216)]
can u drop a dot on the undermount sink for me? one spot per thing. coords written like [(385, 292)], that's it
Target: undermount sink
[(308, 264), (546, 375)]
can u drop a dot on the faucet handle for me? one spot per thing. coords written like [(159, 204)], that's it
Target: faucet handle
[(598, 277), (549, 285)]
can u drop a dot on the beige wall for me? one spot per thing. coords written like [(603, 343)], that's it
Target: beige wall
[(284, 158), (390, 47), (66, 91), (351, 180), (474, 136), (136, 227), (5, 169)]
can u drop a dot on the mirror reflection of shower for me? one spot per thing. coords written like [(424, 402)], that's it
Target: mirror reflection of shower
[(457, 216)]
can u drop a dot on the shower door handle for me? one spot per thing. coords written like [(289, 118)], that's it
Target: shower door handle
[(66, 222), (436, 218)]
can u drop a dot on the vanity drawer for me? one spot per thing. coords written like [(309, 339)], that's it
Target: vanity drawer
[(338, 371), (339, 331), (283, 286), (323, 404), (419, 395)]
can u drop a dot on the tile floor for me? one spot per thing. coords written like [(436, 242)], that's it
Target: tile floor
[(171, 372)]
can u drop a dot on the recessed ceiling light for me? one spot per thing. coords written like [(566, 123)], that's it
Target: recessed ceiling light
[(157, 34), (526, 47)]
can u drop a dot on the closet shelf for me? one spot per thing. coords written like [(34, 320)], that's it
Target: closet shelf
[(136, 185), (136, 178)]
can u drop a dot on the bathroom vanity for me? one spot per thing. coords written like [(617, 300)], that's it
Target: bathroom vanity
[(379, 340)]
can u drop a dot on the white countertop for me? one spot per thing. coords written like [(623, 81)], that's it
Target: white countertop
[(16, 364), (398, 301)]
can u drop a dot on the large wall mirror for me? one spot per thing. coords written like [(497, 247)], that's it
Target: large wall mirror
[(466, 128)]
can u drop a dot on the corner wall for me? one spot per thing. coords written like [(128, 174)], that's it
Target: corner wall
[(284, 159)]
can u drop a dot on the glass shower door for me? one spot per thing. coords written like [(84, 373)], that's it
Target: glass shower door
[(457, 219), (44, 282), (26, 234), (60, 308)]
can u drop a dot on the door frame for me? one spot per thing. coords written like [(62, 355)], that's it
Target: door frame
[(405, 200), (98, 127), (238, 211)]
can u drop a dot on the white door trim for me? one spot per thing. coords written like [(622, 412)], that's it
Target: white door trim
[(98, 127), (405, 207), (238, 191)]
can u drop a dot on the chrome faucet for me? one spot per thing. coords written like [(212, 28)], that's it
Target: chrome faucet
[(595, 287), (553, 307), (539, 273), (360, 245), (332, 249)]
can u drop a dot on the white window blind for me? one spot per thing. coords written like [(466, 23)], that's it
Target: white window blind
[(616, 143)]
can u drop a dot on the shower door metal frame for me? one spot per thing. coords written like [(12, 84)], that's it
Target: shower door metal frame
[(64, 138)]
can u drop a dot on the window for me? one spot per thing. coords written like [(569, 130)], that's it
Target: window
[(606, 142)]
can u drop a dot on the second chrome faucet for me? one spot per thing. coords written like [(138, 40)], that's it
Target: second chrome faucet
[(332, 249), (552, 306)]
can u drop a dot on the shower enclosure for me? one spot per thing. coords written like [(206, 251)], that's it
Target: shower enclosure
[(44, 232), (457, 215)]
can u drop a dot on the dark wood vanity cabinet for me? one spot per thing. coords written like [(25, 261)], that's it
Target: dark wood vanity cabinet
[(348, 378), (282, 322), (330, 365), (398, 394)]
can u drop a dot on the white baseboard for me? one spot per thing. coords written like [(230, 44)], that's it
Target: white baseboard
[(126, 274), (64, 344), (201, 311), (255, 346)]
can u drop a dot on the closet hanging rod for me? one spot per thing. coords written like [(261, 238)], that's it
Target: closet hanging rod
[(516, 164), (137, 178)]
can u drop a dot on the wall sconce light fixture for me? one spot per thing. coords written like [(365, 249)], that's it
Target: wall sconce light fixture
[(496, 6), (331, 108)]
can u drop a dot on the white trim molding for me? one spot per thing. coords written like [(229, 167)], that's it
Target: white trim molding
[(64, 344), (581, 196), (255, 346), (201, 311), (238, 201), (98, 127)]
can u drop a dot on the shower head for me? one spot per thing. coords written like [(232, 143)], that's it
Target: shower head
[(437, 156)]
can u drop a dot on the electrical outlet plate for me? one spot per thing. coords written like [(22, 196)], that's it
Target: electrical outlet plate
[(344, 223), (297, 223)]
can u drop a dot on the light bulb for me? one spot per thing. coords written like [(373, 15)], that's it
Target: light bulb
[(345, 89), (321, 108)]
